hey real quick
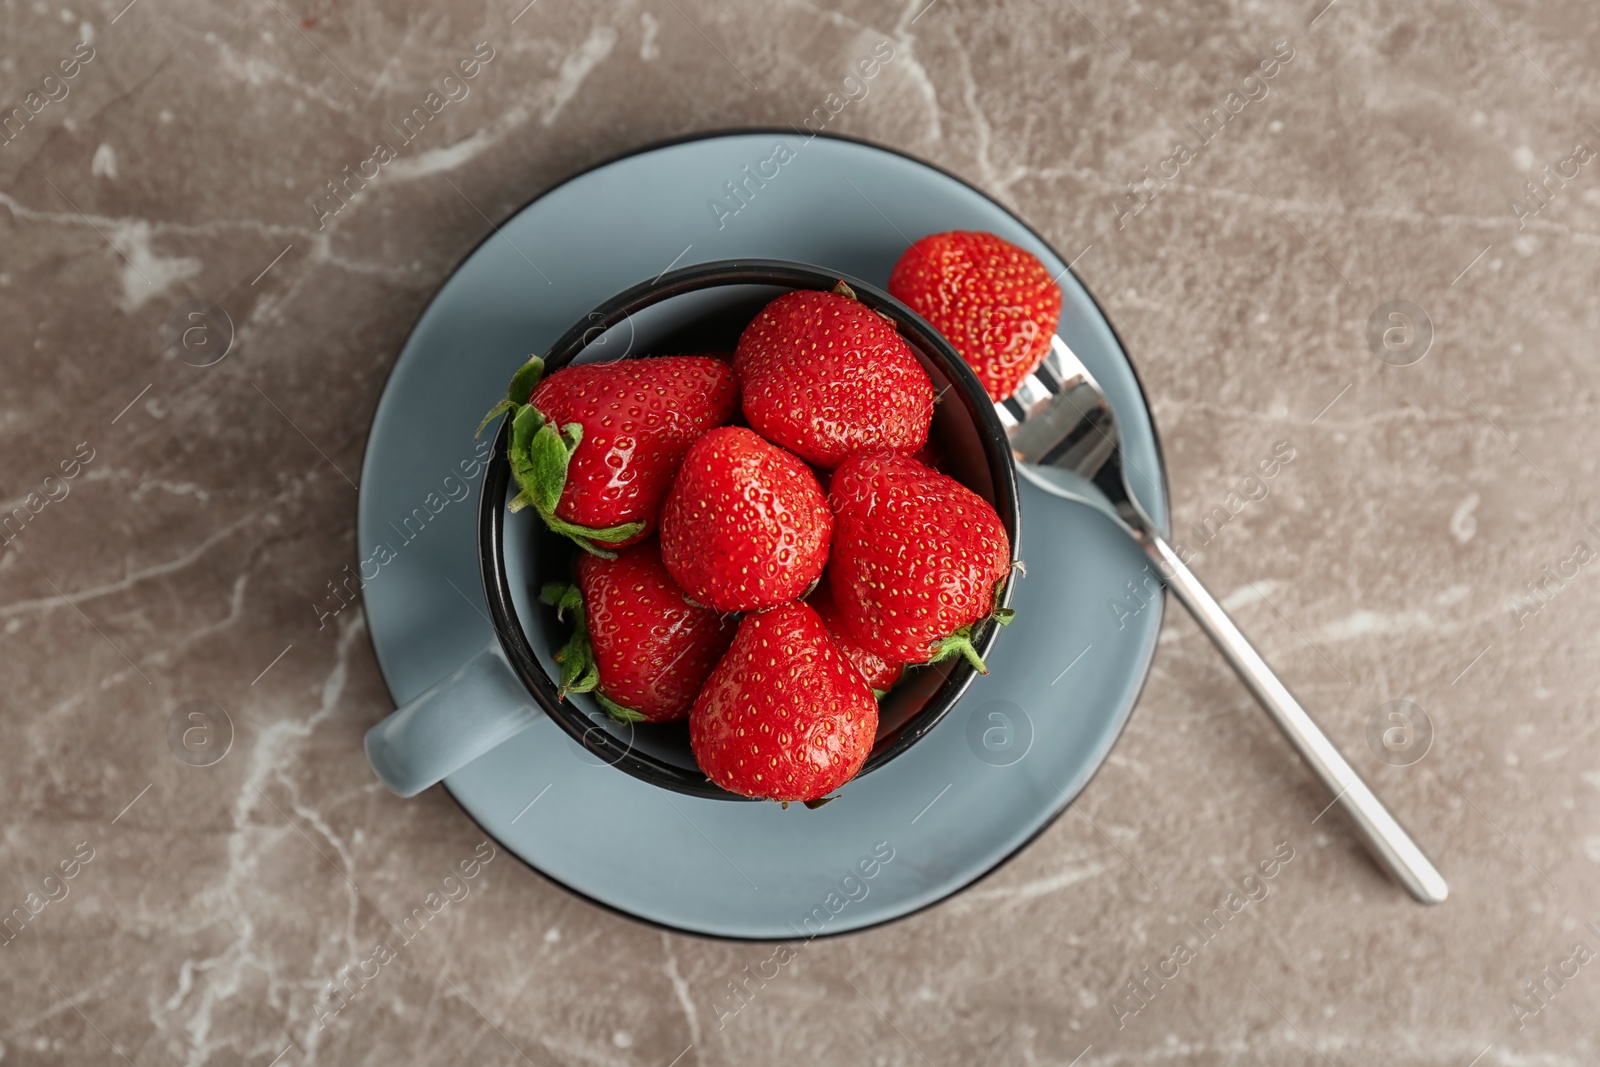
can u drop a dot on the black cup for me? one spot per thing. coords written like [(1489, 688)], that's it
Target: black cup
[(695, 309)]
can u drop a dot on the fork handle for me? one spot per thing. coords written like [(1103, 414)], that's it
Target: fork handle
[(1385, 838)]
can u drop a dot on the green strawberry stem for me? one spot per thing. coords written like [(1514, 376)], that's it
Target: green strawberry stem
[(579, 671), (960, 642), (539, 454)]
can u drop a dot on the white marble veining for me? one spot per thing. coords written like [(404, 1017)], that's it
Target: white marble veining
[(1392, 559)]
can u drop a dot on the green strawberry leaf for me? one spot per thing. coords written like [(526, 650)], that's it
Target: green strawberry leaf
[(517, 393), (844, 290), (588, 677), (604, 533), (524, 425), (543, 472), (579, 672), (563, 596), (494, 412), (521, 388), (617, 711), (576, 658), (592, 539), (1003, 616), (815, 804)]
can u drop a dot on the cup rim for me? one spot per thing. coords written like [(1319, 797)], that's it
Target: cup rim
[(508, 627)]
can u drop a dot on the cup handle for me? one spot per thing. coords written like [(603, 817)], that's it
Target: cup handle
[(459, 718)]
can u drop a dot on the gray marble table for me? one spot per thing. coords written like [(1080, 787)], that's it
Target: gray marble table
[(1299, 169)]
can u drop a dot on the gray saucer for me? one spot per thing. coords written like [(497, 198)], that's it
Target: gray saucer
[(1018, 748)]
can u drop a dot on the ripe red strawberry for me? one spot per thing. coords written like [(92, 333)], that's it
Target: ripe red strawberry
[(879, 673), (637, 643), (918, 558), (825, 376), (746, 525), (594, 447), (784, 715), (993, 301)]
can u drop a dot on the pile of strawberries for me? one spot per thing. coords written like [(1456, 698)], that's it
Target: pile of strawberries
[(767, 541)]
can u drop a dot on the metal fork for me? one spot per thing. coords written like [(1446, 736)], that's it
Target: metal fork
[(1064, 435)]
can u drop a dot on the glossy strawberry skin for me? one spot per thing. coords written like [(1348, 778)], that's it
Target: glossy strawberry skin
[(653, 648), (745, 526), (824, 376), (639, 417), (994, 302), (784, 715), (917, 556), (879, 673)]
